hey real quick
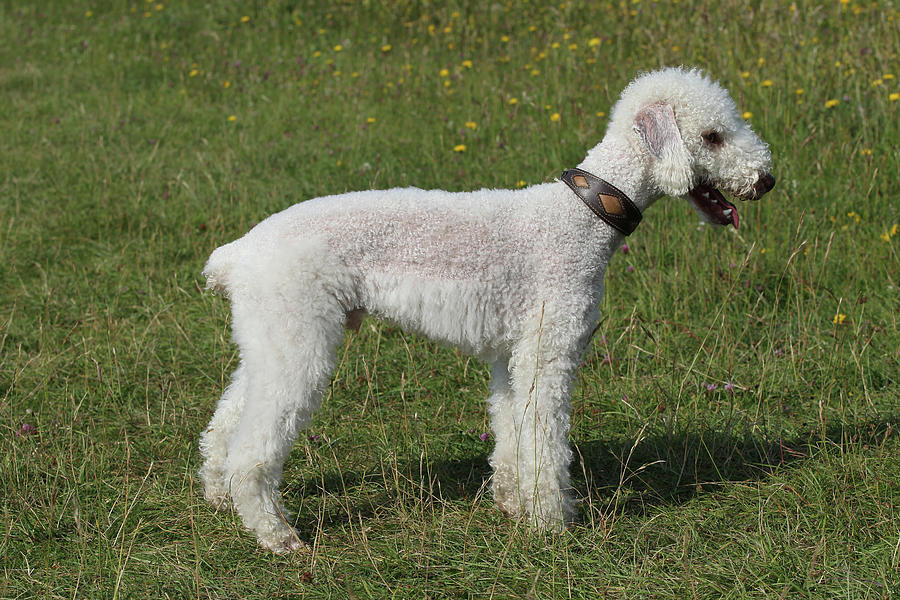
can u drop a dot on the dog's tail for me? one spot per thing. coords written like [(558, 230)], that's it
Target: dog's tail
[(219, 268)]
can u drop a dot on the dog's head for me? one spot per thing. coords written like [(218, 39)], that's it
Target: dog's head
[(696, 141)]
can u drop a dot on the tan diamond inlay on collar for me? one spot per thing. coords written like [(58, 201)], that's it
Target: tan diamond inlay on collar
[(612, 204)]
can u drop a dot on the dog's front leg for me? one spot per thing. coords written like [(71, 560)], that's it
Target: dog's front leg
[(529, 410)]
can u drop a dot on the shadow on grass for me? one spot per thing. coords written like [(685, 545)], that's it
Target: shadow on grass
[(670, 468), (648, 471), (368, 492)]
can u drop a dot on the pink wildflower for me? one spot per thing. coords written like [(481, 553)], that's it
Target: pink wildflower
[(25, 429)]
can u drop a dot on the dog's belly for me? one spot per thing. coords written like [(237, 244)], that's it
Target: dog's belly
[(475, 316)]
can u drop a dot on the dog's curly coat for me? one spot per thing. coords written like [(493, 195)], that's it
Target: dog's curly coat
[(512, 276)]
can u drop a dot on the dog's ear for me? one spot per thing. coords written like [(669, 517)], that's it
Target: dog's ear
[(672, 167)]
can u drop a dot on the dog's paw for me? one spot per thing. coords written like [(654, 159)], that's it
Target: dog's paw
[(508, 504), (218, 497), (286, 543)]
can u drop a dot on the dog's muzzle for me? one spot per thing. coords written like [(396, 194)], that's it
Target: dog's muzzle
[(713, 206)]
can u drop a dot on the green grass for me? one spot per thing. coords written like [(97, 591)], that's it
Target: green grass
[(122, 170)]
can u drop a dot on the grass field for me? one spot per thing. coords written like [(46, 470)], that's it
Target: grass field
[(736, 420)]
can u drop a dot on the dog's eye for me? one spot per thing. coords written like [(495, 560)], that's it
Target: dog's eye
[(712, 138)]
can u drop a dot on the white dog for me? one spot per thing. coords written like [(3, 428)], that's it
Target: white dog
[(512, 276)]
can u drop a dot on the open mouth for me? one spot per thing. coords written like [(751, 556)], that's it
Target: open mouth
[(712, 204)]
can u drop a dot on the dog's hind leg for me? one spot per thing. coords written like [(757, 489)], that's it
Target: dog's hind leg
[(288, 351), (214, 439)]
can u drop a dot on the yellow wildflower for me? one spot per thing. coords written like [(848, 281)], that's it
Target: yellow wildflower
[(513, 100), (471, 125), (894, 97), (338, 48), (459, 148), (766, 83), (370, 120), (444, 73), (747, 115), (232, 118), (594, 42), (554, 117), (832, 103), (245, 19), (839, 319), (386, 48), (226, 84), (467, 64)]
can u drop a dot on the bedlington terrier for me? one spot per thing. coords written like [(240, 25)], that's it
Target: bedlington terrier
[(514, 277)]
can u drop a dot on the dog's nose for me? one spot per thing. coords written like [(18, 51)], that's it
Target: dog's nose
[(764, 184)]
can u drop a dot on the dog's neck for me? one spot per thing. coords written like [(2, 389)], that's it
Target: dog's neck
[(623, 164)]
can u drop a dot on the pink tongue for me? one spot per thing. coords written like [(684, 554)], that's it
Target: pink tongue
[(714, 205)]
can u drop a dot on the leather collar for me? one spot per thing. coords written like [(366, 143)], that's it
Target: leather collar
[(605, 200)]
